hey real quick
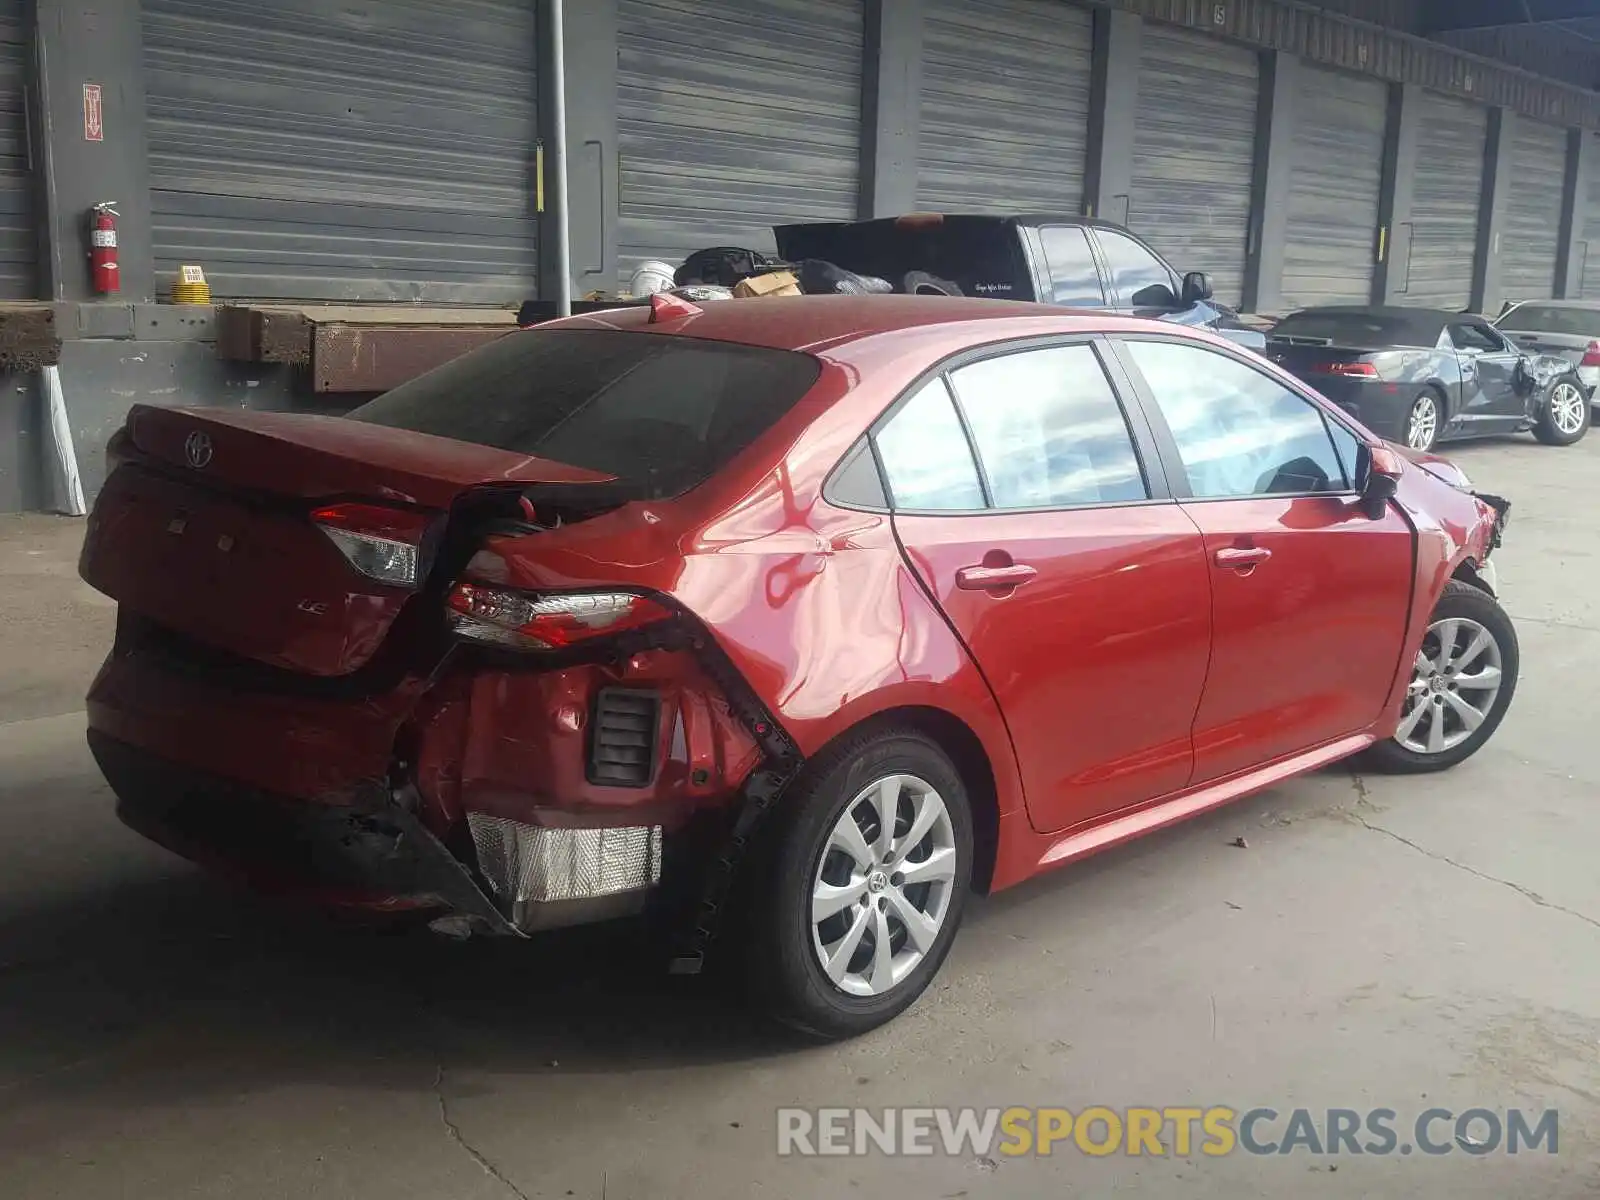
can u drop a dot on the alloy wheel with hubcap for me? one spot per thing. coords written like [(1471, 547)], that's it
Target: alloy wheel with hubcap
[(883, 885), (1567, 407), (1454, 684), (1564, 416), (1462, 682), (862, 878), (1422, 422)]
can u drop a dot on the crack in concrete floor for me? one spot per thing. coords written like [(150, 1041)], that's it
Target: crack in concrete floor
[(453, 1132), (1526, 893)]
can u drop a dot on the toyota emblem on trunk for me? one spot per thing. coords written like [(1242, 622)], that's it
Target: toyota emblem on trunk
[(197, 449)]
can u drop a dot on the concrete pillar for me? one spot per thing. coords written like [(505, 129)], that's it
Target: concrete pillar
[(591, 94), (1269, 192), (891, 107), (1488, 293), (1113, 98), (1391, 276), (1575, 202), (77, 44)]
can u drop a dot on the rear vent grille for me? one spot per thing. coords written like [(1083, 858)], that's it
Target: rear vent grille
[(623, 737)]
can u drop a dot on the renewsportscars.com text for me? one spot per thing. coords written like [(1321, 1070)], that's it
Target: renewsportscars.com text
[(1175, 1131)]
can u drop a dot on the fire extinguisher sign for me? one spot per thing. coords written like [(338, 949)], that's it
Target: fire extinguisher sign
[(94, 114)]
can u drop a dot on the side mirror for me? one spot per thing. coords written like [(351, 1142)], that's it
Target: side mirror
[(1197, 287), (1378, 471)]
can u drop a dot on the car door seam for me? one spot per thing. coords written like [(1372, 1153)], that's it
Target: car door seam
[(1211, 639), (926, 588)]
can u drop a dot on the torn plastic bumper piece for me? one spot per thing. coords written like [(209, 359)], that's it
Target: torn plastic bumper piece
[(369, 853), (1502, 509)]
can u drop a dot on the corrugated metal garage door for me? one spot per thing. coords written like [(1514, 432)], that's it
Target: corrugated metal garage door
[(341, 149), (1005, 106), (1589, 267), (1333, 188), (1444, 206), (1531, 233), (734, 116), (19, 240), (1191, 194)]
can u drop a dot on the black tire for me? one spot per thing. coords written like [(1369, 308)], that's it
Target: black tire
[(920, 283), (1461, 600), (780, 960), (1428, 396), (1545, 427)]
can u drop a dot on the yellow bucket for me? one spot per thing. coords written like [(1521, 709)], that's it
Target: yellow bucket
[(191, 287)]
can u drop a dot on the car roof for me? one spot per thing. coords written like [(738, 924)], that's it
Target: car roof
[(1389, 312), (814, 323), (1018, 218), (1586, 304)]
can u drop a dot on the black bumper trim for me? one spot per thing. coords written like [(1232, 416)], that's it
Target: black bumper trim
[(370, 845)]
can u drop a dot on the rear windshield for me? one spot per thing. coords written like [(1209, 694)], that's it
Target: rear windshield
[(1543, 318), (1361, 330), (982, 255), (661, 413)]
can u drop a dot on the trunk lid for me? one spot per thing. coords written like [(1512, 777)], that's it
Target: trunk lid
[(1570, 346), (206, 526), (1317, 359)]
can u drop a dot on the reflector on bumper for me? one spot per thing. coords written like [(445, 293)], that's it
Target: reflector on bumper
[(527, 866)]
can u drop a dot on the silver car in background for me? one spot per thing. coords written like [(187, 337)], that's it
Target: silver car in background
[(1570, 328)]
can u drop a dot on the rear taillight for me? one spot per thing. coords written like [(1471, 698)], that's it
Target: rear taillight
[(501, 616), (1356, 370), (386, 544), (1591, 355)]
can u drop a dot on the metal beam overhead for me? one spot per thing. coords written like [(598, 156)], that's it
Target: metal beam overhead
[(1445, 16)]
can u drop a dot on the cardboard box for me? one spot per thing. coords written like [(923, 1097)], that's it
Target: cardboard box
[(774, 283)]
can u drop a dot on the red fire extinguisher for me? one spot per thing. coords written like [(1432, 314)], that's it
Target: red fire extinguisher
[(107, 276)]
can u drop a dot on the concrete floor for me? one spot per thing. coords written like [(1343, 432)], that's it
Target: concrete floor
[(1397, 943)]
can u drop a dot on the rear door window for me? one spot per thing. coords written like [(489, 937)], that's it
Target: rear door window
[(1074, 277), (926, 455), (1049, 429), (660, 413)]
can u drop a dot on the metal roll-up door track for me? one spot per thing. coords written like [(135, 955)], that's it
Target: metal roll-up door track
[(734, 116), (18, 237), (1005, 107), (1589, 264), (1335, 173), (297, 153), (1440, 240), (1530, 234), (1191, 192)]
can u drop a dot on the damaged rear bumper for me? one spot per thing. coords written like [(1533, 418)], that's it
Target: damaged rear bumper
[(377, 856)]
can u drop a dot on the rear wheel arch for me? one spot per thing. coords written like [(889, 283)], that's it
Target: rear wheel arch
[(965, 749)]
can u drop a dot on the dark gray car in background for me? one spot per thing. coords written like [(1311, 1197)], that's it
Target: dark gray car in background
[(1420, 376), (1570, 328)]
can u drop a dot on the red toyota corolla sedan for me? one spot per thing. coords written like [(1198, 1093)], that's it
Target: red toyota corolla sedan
[(791, 621)]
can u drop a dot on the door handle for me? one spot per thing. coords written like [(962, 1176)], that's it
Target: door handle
[(982, 579), (1237, 558)]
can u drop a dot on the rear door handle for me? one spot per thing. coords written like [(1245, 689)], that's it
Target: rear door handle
[(980, 579), (1239, 557)]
